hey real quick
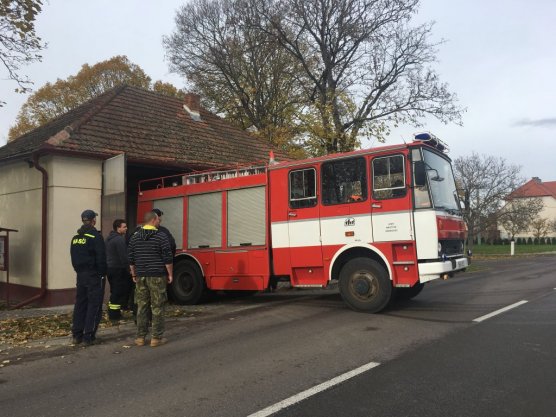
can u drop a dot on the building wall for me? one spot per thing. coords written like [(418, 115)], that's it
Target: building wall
[(548, 212), (74, 184), (20, 202)]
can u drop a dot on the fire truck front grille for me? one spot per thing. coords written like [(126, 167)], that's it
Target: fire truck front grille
[(451, 246)]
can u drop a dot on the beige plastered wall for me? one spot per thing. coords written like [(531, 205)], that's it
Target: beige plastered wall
[(20, 209), (548, 212), (74, 185)]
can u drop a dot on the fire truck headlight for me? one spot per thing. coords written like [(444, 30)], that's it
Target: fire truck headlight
[(439, 248)]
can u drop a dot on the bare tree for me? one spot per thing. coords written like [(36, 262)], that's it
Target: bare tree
[(553, 225), (19, 44), (326, 72), (540, 227), (488, 181), (238, 69), (518, 214), (365, 66)]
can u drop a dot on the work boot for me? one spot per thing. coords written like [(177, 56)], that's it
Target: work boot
[(157, 342), (140, 341), (76, 340), (92, 342)]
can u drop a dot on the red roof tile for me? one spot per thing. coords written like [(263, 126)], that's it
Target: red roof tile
[(535, 188), (146, 126)]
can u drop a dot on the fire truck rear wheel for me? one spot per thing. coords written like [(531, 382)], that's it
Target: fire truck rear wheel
[(364, 285), (188, 286)]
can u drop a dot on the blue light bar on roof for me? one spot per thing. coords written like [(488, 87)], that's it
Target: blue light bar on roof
[(430, 139)]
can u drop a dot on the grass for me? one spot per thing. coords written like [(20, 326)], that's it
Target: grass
[(505, 249)]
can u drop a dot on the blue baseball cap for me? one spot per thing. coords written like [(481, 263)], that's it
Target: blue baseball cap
[(88, 215)]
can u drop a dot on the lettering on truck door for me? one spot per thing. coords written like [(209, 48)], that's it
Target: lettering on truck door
[(390, 199)]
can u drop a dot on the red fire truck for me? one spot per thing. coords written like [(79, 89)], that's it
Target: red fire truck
[(381, 222)]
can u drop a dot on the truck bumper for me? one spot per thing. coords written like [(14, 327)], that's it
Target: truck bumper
[(433, 270)]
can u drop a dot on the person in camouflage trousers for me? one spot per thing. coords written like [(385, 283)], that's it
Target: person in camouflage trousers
[(151, 263), (150, 291)]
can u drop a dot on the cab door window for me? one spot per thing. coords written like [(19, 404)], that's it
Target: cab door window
[(344, 181), (303, 186), (389, 177)]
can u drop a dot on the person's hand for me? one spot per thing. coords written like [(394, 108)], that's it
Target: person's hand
[(170, 279), (134, 278)]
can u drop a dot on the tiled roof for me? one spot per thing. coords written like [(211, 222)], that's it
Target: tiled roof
[(535, 188), (148, 127)]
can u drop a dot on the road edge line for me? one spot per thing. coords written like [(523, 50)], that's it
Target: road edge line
[(314, 390)]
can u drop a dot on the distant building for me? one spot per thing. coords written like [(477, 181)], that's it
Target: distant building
[(535, 188), (94, 157)]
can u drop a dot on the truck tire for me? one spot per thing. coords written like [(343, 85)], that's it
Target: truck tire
[(409, 293), (188, 286), (365, 285)]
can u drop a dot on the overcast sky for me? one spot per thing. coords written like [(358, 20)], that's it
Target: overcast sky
[(499, 58)]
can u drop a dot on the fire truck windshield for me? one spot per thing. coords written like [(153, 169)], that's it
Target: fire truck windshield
[(441, 182), (437, 188)]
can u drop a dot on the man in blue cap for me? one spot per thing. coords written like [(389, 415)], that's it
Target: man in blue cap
[(88, 257)]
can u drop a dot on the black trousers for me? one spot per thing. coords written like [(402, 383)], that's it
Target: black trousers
[(120, 287), (87, 311)]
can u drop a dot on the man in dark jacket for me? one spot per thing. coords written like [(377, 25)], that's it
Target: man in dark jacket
[(150, 259), (118, 269), (88, 257)]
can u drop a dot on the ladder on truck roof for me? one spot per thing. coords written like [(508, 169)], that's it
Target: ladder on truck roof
[(199, 177), (209, 176)]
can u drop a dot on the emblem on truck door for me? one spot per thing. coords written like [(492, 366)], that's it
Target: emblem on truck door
[(350, 221)]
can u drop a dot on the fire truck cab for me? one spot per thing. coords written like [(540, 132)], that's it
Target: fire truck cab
[(381, 222)]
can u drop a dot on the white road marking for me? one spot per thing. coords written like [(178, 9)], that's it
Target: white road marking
[(494, 313), (312, 391)]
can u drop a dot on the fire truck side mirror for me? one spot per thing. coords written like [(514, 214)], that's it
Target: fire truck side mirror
[(419, 173)]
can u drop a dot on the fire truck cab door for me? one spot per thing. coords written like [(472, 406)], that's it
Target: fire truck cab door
[(390, 199), (304, 222)]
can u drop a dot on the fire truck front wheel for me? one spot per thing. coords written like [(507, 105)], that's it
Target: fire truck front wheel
[(188, 286), (364, 285), (409, 293)]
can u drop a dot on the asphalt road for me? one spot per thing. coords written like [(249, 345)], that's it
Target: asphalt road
[(428, 357)]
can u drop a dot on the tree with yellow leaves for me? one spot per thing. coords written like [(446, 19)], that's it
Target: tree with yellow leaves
[(19, 43)]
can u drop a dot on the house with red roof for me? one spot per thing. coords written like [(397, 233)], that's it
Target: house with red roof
[(93, 157), (546, 192)]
